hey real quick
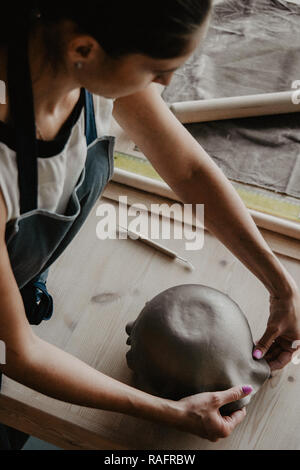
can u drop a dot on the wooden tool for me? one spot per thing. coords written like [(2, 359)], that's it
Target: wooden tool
[(235, 107), (157, 246)]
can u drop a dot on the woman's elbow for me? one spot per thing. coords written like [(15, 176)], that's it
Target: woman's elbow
[(15, 356)]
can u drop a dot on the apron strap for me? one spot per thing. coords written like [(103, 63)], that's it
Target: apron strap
[(22, 113), (90, 123)]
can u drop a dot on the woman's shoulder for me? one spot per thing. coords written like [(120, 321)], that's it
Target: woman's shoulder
[(3, 112), (3, 104), (3, 212)]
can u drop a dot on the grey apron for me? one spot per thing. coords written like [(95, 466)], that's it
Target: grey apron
[(37, 237)]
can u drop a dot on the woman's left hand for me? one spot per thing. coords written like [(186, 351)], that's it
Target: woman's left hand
[(282, 336)]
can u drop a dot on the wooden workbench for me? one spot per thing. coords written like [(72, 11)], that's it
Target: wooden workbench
[(98, 286)]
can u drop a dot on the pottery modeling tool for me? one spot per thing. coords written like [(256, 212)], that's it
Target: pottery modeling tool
[(158, 247)]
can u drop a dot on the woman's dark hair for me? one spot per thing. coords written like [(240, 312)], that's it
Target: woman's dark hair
[(157, 28)]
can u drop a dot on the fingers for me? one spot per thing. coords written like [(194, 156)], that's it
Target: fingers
[(279, 354), (226, 424), (273, 352), (222, 426), (230, 422), (235, 418), (264, 344), (280, 361), (238, 416), (232, 394)]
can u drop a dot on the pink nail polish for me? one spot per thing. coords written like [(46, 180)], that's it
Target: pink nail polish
[(247, 389), (257, 354)]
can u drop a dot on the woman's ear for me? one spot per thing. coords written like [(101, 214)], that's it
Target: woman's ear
[(84, 49)]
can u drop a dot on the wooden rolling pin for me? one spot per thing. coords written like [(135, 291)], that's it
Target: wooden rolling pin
[(235, 107)]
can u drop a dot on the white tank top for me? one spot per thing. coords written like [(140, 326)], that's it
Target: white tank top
[(58, 173)]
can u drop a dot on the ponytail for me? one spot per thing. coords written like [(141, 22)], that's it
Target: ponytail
[(14, 20)]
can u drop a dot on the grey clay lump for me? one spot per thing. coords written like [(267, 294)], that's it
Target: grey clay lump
[(190, 339)]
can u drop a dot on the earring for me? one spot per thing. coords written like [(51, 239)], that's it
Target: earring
[(79, 65)]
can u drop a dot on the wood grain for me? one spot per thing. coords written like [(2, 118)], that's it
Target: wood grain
[(100, 285)]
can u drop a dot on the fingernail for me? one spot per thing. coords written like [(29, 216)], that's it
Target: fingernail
[(247, 389), (257, 354)]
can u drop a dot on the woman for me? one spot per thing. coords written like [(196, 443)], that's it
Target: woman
[(73, 59)]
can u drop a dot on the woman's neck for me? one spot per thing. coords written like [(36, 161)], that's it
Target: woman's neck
[(54, 89)]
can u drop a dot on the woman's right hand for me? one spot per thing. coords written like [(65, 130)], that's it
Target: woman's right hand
[(201, 414)]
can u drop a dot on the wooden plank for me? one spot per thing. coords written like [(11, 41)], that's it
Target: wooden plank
[(60, 432)]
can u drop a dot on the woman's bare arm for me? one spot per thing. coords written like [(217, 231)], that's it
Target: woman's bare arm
[(195, 178)]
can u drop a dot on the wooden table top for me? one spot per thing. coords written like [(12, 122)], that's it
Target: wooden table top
[(100, 285)]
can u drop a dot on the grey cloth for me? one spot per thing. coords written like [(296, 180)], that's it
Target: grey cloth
[(251, 47)]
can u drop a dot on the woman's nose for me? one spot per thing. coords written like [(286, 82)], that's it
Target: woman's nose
[(164, 79)]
